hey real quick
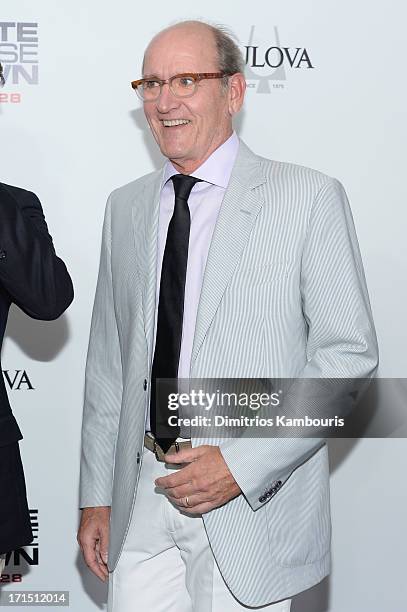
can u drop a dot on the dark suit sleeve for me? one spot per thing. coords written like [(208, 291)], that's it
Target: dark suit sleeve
[(30, 271)]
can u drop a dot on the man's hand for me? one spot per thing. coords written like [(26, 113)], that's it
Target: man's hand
[(93, 538), (203, 484)]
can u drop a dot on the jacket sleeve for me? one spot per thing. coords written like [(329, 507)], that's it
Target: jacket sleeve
[(341, 340), (30, 272), (103, 387)]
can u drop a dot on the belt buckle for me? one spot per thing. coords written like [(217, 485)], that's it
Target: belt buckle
[(155, 449), (156, 446)]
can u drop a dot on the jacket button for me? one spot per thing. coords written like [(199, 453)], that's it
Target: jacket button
[(3, 254), (138, 457), (145, 384)]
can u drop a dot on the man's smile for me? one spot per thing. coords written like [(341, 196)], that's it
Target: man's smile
[(174, 122)]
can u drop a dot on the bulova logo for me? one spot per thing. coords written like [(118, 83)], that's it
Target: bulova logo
[(278, 58), (17, 380)]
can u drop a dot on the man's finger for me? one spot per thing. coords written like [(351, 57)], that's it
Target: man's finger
[(89, 554), (182, 491), (193, 501), (183, 476), (104, 544), (199, 508), (100, 559), (185, 455)]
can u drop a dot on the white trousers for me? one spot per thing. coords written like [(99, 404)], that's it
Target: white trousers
[(166, 564)]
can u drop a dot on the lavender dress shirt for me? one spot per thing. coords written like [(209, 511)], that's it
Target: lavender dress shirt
[(204, 205)]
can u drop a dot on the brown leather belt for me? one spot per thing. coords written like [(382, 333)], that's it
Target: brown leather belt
[(151, 444)]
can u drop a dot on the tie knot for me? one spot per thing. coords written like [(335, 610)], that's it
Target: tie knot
[(183, 184)]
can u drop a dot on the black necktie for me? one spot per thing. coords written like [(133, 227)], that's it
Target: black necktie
[(170, 314)]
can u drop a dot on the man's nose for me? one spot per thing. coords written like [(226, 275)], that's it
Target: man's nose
[(166, 100)]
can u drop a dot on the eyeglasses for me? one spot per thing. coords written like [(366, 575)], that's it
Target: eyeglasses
[(181, 85)]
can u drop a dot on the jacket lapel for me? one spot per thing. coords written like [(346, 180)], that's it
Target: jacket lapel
[(145, 226), (240, 207)]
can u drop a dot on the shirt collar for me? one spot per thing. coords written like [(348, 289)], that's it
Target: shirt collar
[(217, 168)]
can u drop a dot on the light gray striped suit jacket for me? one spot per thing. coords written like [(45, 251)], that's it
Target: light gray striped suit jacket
[(283, 295)]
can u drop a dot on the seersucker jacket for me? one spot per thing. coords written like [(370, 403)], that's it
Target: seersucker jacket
[(283, 295)]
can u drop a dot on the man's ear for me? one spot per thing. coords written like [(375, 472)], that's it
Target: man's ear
[(237, 88)]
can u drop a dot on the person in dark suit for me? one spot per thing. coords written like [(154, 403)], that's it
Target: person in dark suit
[(34, 278)]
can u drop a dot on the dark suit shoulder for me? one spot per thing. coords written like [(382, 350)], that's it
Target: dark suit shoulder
[(18, 193)]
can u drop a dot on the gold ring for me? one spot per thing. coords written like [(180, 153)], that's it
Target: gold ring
[(187, 502)]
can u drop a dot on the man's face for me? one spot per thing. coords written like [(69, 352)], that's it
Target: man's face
[(207, 112)]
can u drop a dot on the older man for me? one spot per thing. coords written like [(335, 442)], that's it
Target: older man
[(221, 264)]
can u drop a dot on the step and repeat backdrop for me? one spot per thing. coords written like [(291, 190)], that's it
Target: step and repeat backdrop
[(326, 89)]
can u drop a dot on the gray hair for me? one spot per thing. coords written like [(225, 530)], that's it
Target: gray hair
[(230, 58)]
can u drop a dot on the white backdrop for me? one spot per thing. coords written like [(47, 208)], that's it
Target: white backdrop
[(79, 133)]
